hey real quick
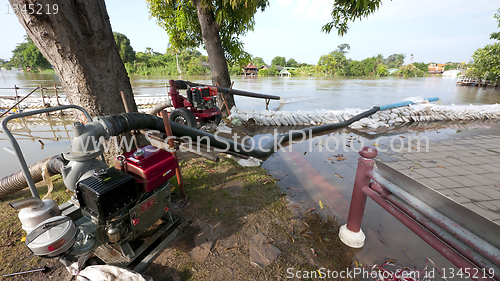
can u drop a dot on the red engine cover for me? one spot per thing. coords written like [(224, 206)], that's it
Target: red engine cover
[(150, 166)]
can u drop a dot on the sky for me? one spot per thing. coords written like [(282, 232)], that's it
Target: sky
[(431, 30)]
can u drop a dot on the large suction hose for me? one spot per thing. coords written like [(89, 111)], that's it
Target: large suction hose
[(131, 121), (117, 124), (114, 125), (17, 181)]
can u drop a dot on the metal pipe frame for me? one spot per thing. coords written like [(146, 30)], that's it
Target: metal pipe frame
[(461, 247), (16, 146), (433, 241), (472, 240), (449, 239)]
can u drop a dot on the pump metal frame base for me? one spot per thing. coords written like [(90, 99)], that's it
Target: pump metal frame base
[(124, 256)]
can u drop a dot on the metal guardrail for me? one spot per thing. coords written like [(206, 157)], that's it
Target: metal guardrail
[(459, 245)]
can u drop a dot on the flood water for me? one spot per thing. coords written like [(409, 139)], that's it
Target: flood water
[(298, 93)]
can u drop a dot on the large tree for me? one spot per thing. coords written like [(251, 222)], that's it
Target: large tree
[(281, 61), (214, 24), (258, 61), (395, 60), (78, 42)]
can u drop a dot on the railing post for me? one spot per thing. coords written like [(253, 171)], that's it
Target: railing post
[(351, 233), (57, 96)]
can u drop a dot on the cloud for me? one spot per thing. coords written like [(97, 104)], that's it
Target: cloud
[(284, 4), (320, 10), (436, 10)]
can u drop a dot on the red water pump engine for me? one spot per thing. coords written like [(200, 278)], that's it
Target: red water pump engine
[(202, 98), (198, 106), (127, 199)]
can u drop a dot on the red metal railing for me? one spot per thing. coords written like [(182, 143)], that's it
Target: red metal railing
[(461, 247)]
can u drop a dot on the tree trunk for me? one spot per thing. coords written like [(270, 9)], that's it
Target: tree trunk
[(78, 42), (216, 57)]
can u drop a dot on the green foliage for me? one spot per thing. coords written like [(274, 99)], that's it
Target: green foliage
[(150, 62), (382, 70), (26, 55), (304, 69), (344, 11), (234, 17), (273, 70), (370, 66), (342, 64), (291, 63), (356, 68), (263, 72), (343, 48), (395, 60), (281, 61), (126, 51), (258, 61), (235, 70), (327, 63), (410, 70), (496, 35), (422, 66), (486, 62)]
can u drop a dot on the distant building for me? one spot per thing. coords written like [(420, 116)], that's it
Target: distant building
[(285, 72), (251, 69), (392, 70), (437, 69)]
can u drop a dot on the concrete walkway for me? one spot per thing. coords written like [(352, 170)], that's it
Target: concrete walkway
[(465, 169)]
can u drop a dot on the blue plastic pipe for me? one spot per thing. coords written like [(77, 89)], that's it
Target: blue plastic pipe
[(403, 103)]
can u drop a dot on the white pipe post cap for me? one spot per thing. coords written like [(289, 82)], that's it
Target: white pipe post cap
[(351, 238)]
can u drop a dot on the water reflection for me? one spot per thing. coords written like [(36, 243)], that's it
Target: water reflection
[(38, 136)]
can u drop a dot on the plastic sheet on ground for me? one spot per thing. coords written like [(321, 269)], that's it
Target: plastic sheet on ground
[(110, 273), (250, 162), (223, 129)]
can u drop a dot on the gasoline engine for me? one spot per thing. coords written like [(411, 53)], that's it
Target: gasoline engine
[(202, 97), (111, 206)]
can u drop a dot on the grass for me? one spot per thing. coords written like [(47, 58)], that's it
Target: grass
[(241, 202)]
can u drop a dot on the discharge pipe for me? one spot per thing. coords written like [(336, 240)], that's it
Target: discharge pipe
[(182, 84)]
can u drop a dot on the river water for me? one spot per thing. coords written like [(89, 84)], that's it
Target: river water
[(299, 93), (301, 174)]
